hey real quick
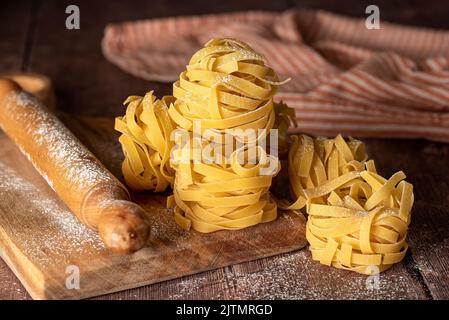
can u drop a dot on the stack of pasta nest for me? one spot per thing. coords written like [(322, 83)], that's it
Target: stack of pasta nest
[(210, 142), (222, 101)]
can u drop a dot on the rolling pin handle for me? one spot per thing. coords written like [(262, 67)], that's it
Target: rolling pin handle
[(7, 86), (123, 227)]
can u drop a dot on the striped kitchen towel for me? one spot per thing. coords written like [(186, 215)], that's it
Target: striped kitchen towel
[(391, 82)]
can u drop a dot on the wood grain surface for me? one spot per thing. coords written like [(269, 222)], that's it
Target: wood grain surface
[(33, 38)]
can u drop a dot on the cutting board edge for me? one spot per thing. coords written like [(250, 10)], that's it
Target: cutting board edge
[(44, 287), (145, 283), (10, 255)]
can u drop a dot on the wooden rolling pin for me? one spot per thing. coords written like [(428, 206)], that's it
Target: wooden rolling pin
[(97, 198), (38, 85)]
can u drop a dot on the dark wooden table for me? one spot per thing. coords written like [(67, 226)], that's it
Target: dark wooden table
[(33, 37)]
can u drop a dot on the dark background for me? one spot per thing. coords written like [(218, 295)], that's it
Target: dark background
[(33, 38)]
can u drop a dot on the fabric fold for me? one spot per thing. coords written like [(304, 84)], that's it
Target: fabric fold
[(392, 82)]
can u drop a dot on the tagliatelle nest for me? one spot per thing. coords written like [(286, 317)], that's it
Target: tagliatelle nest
[(225, 89), (146, 129), (357, 219)]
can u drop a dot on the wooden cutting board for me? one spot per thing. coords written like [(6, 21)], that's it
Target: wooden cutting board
[(46, 246)]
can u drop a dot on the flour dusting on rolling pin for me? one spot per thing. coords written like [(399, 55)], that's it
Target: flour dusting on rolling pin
[(98, 199)]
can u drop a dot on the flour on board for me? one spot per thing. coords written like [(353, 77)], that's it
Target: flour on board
[(44, 228)]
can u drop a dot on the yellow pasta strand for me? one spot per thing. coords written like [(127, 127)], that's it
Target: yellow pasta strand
[(357, 219), (226, 85), (145, 140)]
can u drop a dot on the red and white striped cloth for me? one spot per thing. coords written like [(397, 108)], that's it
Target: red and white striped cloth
[(392, 82)]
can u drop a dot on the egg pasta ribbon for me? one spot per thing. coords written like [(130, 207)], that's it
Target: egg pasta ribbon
[(145, 138), (211, 197), (226, 88), (357, 220)]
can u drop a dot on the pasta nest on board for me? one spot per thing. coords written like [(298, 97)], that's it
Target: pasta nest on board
[(226, 89)]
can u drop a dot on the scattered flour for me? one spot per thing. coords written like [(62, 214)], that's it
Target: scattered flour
[(292, 276), (46, 231), (76, 162)]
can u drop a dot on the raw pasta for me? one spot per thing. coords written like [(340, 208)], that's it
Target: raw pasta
[(357, 219), (226, 90), (146, 144), (226, 86)]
